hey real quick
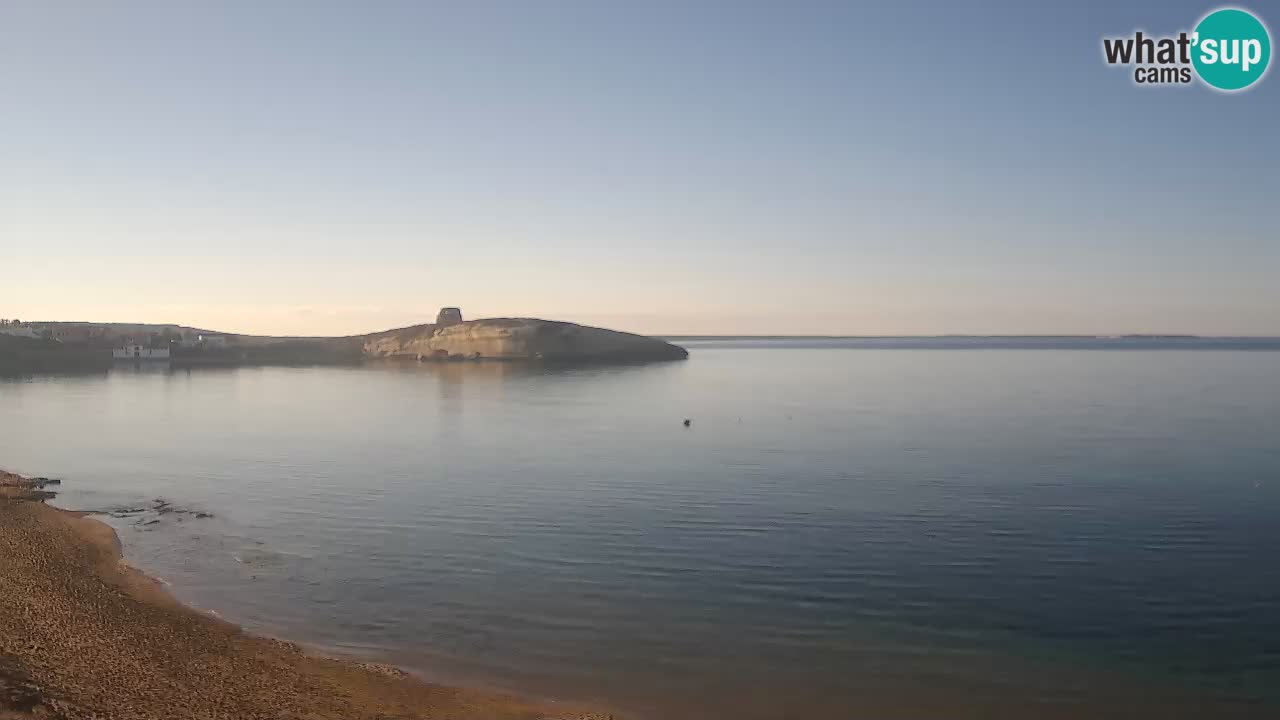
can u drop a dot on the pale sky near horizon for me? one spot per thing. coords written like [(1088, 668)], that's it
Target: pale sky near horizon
[(659, 167)]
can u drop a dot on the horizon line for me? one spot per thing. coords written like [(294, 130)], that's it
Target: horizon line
[(745, 336)]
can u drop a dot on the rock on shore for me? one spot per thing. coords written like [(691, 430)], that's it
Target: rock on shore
[(519, 339)]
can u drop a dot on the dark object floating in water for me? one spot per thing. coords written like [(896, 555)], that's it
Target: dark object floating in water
[(687, 422)]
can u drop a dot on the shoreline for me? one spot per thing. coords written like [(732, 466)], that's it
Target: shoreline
[(83, 634)]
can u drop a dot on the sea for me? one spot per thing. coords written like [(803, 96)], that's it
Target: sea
[(775, 528)]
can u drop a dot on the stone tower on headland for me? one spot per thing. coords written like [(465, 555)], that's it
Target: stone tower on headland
[(448, 316)]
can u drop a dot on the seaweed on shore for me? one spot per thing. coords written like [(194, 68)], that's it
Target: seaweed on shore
[(149, 515)]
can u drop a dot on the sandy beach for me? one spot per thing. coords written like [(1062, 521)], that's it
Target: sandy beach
[(83, 635)]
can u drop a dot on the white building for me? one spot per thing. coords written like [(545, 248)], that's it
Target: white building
[(140, 352), (17, 329), (212, 341)]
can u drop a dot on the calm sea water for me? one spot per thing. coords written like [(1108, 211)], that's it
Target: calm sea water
[(845, 528)]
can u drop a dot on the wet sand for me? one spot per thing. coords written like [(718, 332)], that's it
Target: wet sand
[(83, 635)]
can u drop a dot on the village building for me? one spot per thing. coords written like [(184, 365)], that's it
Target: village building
[(16, 328), (138, 352), (212, 342)]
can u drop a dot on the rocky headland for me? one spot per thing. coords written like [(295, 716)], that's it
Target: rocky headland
[(449, 338), (518, 339)]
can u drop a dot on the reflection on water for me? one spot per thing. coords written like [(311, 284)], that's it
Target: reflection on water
[(888, 530)]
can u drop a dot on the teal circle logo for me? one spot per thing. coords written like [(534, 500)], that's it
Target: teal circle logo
[(1231, 49)]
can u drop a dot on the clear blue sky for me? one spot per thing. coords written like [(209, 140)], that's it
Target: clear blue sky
[(665, 167)]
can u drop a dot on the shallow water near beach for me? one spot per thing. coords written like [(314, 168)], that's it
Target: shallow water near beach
[(842, 527)]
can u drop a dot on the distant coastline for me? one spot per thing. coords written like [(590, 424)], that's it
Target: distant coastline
[(962, 336), (987, 342), (89, 347), (72, 347)]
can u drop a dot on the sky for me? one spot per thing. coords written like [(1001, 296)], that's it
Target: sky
[(836, 168)]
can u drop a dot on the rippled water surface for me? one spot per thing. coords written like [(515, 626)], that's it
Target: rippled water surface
[(842, 529)]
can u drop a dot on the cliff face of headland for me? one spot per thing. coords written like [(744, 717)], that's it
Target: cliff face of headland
[(519, 339)]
